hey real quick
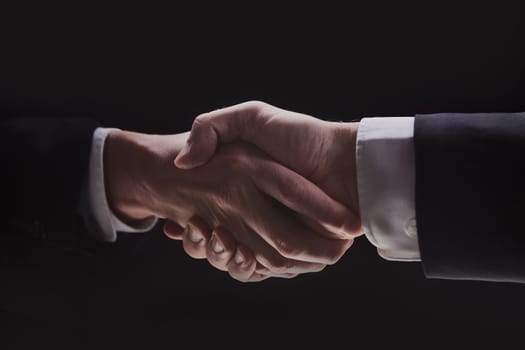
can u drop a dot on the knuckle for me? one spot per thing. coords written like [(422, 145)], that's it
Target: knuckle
[(337, 218), (319, 268), (194, 250), (239, 277), (333, 259), (217, 263), (338, 252), (255, 105), (279, 265), (200, 120), (287, 249)]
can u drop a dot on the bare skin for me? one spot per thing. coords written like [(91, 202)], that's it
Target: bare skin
[(323, 152), (242, 193)]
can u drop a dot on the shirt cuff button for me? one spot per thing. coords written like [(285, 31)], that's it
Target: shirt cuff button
[(411, 228)]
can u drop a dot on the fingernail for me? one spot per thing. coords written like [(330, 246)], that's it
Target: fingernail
[(216, 245), (238, 258), (193, 235)]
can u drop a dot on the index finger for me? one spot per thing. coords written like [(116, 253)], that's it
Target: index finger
[(304, 197)]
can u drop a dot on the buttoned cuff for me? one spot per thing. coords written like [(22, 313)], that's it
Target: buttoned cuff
[(386, 186), (101, 222)]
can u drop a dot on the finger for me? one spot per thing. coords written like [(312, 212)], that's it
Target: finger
[(220, 248), (196, 237), (260, 276), (173, 230), (285, 276), (257, 277), (242, 266), (223, 125), (289, 237), (304, 197), (268, 257), (266, 272)]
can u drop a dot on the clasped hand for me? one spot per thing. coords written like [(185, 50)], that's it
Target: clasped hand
[(260, 191)]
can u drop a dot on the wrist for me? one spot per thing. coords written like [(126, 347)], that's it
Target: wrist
[(126, 158), (345, 145), (136, 167)]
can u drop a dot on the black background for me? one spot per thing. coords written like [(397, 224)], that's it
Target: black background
[(150, 75)]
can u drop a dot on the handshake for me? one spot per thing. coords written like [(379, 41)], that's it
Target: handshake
[(256, 190)]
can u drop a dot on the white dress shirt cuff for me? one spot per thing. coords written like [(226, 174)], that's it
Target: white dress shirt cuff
[(101, 222), (386, 186)]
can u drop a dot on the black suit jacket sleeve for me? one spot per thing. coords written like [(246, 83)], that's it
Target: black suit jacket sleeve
[(470, 195), (44, 163)]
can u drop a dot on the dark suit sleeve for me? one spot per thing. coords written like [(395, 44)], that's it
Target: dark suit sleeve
[(470, 195), (44, 164)]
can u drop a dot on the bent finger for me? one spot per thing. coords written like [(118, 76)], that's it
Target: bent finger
[(290, 238), (173, 230), (304, 197), (242, 266), (220, 248), (196, 237), (270, 258)]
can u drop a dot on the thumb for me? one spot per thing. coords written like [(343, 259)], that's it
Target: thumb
[(220, 126), (199, 148)]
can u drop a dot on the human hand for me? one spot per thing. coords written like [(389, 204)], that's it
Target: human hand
[(241, 190), (321, 151)]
